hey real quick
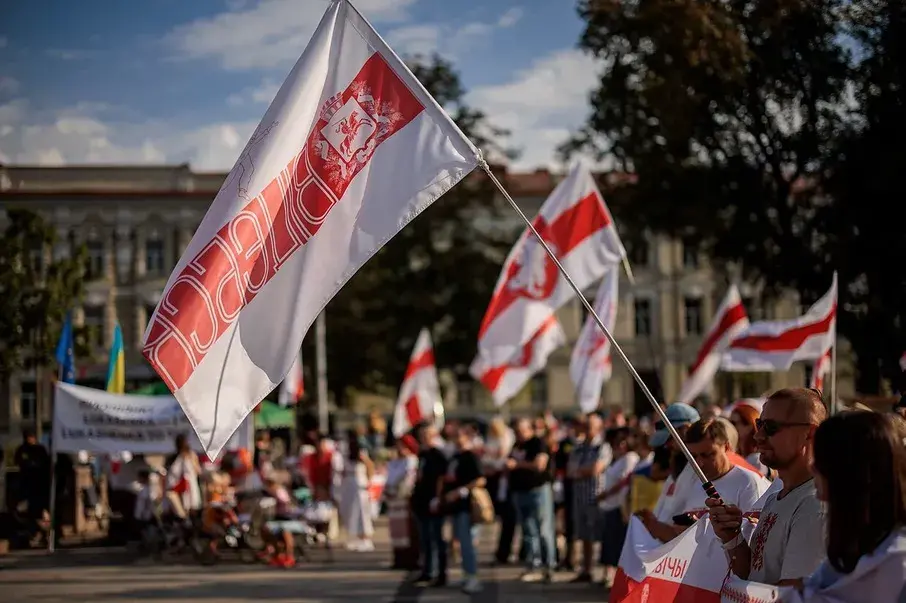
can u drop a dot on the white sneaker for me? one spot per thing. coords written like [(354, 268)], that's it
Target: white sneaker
[(366, 546), (471, 585), (531, 576)]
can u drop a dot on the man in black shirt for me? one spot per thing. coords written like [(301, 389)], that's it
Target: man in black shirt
[(425, 501), (530, 483)]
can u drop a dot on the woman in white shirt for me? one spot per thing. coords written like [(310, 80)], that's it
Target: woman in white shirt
[(182, 477), (612, 498)]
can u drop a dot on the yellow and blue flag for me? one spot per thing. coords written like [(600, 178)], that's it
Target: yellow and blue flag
[(116, 367), (65, 352)]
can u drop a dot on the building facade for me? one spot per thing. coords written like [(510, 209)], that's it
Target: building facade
[(136, 221)]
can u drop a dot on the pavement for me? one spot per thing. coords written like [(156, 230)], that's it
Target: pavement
[(115, 575)]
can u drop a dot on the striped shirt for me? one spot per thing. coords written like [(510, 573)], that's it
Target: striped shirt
[(585, 455)]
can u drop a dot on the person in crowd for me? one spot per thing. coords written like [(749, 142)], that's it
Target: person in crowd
[(616, 418), (681, 416), (732, 434), (183, 476), (432, 467), (281, 529), (462, 475), (33, 462), (401, 473), (787, 544), (744, 417), (614, 489), (355, 502), (586, 467), (146, 501), (263, 452), (377, 431), (565, 448), (709, 445), (860, 474), (218, 515), (532, 495), (493, 463), (319, 468), (646, 482)]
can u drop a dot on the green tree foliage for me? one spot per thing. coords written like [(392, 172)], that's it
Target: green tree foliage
[(437, 273), (737, 119), (36, 291)]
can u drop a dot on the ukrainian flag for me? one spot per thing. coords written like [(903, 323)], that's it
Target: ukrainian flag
[(116, 368)]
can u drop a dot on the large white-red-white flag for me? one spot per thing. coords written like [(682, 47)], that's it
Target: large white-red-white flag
[(591, 363), (729, 321), (774, 345), (576, 225), (293, 387), (505, 379), (420, 390), (351, 149)]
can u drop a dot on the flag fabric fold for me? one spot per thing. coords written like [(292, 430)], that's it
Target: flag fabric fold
[(774, 345), (351, 149), (65, 353), (591, 365), (116, 365), (420, 390), (293, 386)]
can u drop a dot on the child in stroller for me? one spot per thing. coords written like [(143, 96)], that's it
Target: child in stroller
[(219, 519)]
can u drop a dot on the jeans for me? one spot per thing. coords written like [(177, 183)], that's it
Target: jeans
[(463, 532), (434, 549), (535, 510)]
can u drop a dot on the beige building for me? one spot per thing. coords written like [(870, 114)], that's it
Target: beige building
[(136, 221)]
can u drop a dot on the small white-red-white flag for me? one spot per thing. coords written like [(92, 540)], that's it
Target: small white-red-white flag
[(729, 321), (420, 390), (351, 149), (293, 387), (820, 370), (591, 364), (774, 345), (576, 225), (504, 380)]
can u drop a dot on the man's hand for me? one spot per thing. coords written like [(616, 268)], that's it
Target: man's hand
[(725, 519), (647, 517), (511, 464)]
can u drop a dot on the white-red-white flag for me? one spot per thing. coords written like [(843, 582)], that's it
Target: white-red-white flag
[(729, 321), (293, 386), (351, 149), (504, 380), (820, 370), (591, 364), (420, 390), (774, 345), (576, 225)]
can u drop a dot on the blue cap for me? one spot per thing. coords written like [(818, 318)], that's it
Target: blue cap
[(678, 414)]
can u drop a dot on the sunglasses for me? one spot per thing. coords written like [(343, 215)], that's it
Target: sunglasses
[(771, 427)]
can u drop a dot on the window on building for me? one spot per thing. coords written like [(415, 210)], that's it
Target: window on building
[(693, 315), (690, 255), (95, 262), (643, 323), (465, 394), (154, 256), (28, 401), (639, 252), (124, 260), (61, 250), (539, 390), (94, 326)]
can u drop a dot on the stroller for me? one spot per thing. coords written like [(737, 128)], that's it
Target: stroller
[(245, 540)]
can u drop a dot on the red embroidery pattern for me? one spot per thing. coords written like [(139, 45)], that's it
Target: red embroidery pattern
[(760, 538)]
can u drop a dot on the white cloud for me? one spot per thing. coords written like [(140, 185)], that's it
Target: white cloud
[(510, 17), (541, 105), (270, 34), (450, 41), (8, 86)]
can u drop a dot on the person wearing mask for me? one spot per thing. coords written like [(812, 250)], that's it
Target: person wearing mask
[(532, 498), (860, 474), (462, 475), (586, 468), (610, 500), (787, 544), (709, 444), (432, 467)]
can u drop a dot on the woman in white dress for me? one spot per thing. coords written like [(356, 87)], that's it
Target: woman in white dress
[(182, 477), (355, 502)]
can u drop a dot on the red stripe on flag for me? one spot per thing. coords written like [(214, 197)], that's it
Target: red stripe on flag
[(413, 410), (657, 590), (733, 315), (787, 341), (491, 377), (423, 360), (571, 228)]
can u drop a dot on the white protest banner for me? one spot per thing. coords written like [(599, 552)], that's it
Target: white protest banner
[(737, 590), (97, 421)]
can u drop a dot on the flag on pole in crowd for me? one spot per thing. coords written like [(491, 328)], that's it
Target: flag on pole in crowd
[(65, 353), (774, 345), (729, 321), (351, 149), (116, 365), (820, 370), (590, 365), (576, 225), (504, 380), (293, 386), (420, 391)]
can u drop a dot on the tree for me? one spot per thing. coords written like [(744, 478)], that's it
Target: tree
[(438, 272), (729, 113), (36, 291)]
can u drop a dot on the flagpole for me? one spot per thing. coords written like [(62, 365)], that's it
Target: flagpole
[(709, 488), (833, 371), (321, 368)]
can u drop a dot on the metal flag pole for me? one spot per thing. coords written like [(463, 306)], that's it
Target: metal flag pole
[(709, 488), (833, 366), (321, 368)]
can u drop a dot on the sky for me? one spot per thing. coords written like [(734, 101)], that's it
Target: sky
[(171, 81)]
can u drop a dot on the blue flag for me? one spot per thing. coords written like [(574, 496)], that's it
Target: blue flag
[(66, 352)]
